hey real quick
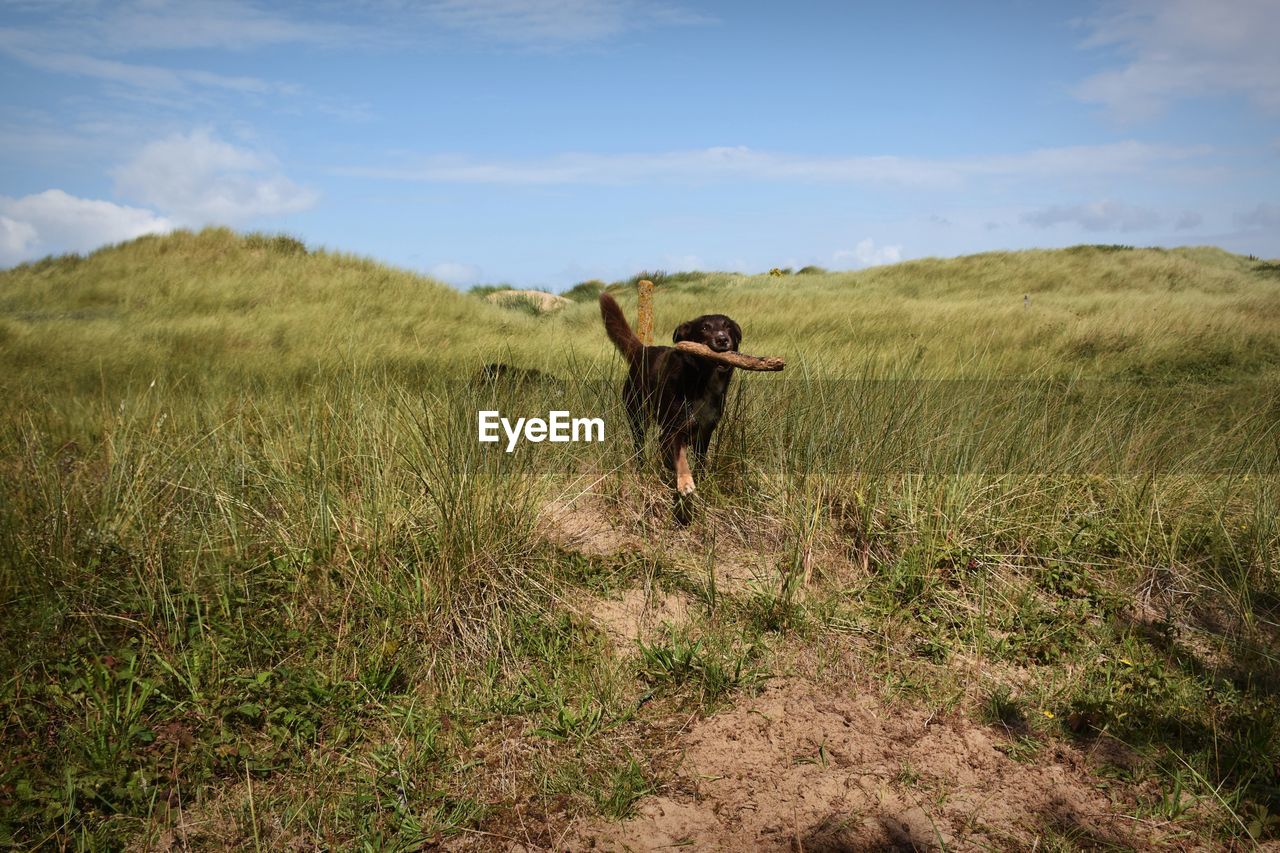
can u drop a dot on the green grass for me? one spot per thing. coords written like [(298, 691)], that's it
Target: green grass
[(258, 579)]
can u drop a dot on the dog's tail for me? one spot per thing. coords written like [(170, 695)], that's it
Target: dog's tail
[(618, 330)]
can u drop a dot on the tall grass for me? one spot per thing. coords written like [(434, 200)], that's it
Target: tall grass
[(212, 307), (260, 584)]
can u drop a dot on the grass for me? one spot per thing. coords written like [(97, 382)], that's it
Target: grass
[(259, 584)]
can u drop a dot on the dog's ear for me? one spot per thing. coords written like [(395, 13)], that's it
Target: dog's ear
[(736, 331), (684, 332)]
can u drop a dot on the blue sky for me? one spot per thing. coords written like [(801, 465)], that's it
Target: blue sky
[(544, 142)]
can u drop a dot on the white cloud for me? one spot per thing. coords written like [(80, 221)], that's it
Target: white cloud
[(1099, 216), (17, 45), (226, 24), (1187, 220), (17, 239), (97, 41), (1185, 49), (867, 254), (198, 179), (682, 263), (134, 25), (556, 23), (1262, 216), (462, 275), (76, 38), (238, 25), (742, 163), (54, 221)]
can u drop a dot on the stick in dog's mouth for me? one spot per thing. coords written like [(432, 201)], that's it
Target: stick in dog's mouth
[(733, 359)]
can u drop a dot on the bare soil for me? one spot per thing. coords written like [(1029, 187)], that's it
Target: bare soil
[(819, 763), (801, 768)]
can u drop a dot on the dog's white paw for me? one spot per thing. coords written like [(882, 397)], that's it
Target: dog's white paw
[(686, 488)]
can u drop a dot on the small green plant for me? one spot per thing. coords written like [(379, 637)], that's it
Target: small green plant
[(776, 606), (573, 722), (1172, 803), (713, 671), (907, 776), (623, 788), (821, 756), (1003, 709)]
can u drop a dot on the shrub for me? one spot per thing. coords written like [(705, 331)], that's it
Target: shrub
[(275, 244), (585, 291)]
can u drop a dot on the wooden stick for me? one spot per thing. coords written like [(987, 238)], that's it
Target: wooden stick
[(733, 359), (644, 318)]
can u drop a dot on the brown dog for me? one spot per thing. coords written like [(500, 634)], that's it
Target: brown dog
[(683, 393)]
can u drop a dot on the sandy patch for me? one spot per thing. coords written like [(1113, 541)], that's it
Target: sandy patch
[(797, 768), (637, 615), (544, 302), (583, 525)]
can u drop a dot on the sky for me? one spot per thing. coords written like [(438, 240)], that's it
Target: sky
[(540, 143)]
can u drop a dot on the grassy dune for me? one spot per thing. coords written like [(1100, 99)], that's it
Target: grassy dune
[(260, 585), (209, 307), (212, 310)]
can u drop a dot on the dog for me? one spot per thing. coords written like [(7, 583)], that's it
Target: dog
[(683, 394)]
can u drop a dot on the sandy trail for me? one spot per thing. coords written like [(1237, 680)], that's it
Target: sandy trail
[(809, 764), (799, 768)]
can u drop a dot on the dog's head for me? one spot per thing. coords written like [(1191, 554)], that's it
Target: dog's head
[(716, 331)]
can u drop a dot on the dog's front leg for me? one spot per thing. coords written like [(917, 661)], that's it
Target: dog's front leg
[(684, 476), (676, 450)]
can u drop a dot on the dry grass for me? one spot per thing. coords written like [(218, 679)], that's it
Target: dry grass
[(260, 586)]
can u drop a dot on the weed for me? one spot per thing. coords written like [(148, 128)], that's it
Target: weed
[(623, 788), (907, 776), (573, 723), (1002, 708), (713, 669)]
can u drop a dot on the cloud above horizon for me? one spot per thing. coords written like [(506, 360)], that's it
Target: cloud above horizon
[(198, 179), (743, 163), (88, 40), (1099, 216), (1262, 216), (153, 78), (54, 222), (1187, 220), (867, 254), (545, 141), (1179, 49), (455, 273), (542, 24)]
